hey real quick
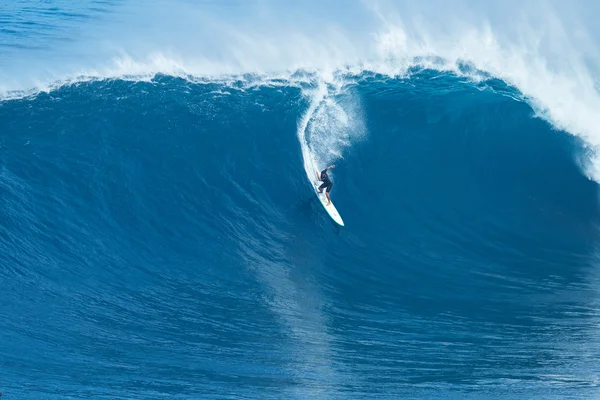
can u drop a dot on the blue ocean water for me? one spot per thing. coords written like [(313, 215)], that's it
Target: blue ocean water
[(159, 237)]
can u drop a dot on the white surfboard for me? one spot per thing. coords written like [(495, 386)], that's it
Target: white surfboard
[(331, 210)]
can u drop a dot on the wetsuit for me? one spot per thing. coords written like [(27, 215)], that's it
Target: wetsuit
[(326, 181)]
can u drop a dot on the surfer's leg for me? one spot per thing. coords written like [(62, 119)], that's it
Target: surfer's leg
[(323, 186), (329, 185)]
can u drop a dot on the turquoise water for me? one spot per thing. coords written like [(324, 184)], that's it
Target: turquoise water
[(159, 237)]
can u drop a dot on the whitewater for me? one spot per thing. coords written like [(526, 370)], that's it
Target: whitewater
[(159, 237)]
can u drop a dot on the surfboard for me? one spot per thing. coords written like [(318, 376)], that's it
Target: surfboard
[(331, 210)]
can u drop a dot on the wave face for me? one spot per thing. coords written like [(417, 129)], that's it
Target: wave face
[(161, 239)]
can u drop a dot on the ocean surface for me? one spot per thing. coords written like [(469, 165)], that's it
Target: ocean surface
[(160, 239)]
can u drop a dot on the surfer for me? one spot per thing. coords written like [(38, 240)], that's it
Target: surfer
[(327, 184)]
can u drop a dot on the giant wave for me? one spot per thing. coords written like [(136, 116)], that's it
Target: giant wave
[(159, 237)]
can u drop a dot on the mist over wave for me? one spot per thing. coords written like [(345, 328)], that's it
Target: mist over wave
[(547, 50)]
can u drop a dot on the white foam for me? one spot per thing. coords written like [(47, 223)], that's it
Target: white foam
[(333, 122), (542, 59)]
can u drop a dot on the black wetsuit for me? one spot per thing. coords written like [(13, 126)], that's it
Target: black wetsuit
[(326, 181)]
